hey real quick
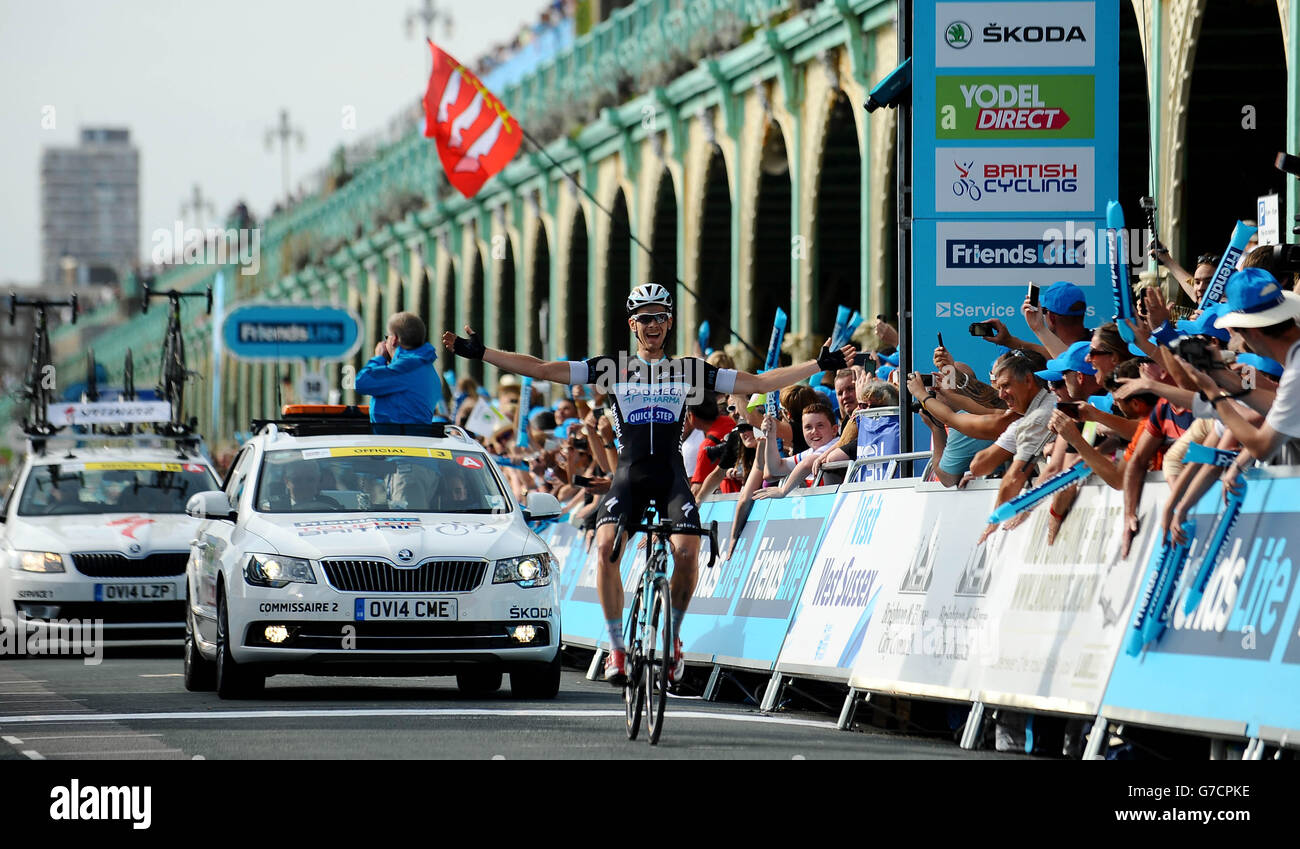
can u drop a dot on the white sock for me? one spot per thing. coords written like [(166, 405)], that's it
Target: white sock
[(615, 628)]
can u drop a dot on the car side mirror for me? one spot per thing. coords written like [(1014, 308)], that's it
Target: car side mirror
[(541, 505), (212, 504)]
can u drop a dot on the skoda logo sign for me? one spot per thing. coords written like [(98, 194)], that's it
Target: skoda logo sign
[(405, 555), (957, 34), (134, 548)]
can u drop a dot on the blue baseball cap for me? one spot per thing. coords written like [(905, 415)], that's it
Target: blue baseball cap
[(1072, 359), (892, 359), (1256, 299), (1269, 366), (1138, 352), (1203, 325), (1051, 376), (563, 430), (1064, 299), (884, 372)]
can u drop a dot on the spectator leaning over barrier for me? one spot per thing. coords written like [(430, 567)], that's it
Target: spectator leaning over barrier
[(1136, 406), (850, 384), (400, 378), (876, 436), (1166, 423), (952, 413), (1057, 324), (1264, 315), (1024, 440), (819, 433)]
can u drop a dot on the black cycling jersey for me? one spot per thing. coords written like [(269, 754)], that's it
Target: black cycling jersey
[(650, 399)]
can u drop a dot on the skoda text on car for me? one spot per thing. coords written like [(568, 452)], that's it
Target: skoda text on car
[(100, 534), (334, 551)]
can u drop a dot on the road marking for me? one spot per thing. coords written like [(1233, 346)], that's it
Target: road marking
[(162, 674), (118, 752), (86, 736), (12, 741), (32, 719), (34, 755)]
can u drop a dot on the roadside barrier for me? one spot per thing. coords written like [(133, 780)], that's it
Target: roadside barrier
[(883, 586)]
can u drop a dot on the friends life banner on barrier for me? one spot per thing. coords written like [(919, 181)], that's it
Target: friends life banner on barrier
[(741, 609), (1015, 155), (1231, 665), (869, 541), (1011, 621)]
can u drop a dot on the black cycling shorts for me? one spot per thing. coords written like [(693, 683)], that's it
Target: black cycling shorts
[(633, 487)]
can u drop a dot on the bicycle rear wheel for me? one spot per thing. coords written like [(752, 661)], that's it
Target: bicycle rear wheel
[(634, 687), (659, 658)]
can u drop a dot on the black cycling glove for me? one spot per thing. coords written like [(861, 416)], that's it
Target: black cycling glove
[(829, 360), (471, 348)]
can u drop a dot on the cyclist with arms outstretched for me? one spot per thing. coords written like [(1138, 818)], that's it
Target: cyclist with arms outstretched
[(649, 393)]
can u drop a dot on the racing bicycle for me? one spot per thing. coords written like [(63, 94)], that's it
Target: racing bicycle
[(649, 633), (174, 374), (38, 383)]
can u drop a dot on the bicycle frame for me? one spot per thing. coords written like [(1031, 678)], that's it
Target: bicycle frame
[(34, 390)]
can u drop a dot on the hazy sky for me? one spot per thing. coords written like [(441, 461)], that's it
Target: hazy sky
[(198, 85)]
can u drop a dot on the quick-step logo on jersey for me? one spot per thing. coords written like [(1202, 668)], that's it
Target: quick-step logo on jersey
[(651, 403)]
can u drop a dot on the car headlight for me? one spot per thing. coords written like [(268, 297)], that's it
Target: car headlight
[(533, 570), (39, 561), (274, 570)]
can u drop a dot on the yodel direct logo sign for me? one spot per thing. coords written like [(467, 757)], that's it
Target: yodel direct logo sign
[(1014, 107)]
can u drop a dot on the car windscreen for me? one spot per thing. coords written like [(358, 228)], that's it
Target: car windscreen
[(389, 478), (63, 489)]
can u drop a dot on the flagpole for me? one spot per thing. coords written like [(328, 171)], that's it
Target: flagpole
[(649, 253)]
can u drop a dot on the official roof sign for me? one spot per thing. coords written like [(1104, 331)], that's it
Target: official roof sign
[(291, 332)]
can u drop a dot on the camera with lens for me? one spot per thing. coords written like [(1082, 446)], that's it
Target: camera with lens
[(726, 452), (1196, 352)]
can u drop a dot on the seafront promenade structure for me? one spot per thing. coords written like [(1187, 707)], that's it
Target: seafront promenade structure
[(727, 135)]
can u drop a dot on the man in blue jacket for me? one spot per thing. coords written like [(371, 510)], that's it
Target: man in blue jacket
[(401, 378)]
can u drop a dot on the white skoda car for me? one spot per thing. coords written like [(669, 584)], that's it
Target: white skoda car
[(337, 552), (99, 535)]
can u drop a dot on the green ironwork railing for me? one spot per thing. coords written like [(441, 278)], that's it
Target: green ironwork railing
[(640, 46)]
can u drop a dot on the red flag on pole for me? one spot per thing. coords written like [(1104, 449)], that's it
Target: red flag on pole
[(475, 133)]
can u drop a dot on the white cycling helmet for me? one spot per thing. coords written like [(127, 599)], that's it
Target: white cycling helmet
[(648, 294)]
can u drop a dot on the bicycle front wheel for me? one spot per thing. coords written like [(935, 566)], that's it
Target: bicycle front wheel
[(634, 687), (659, 658)]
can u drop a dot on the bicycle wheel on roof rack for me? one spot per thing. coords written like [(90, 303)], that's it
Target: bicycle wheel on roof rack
[(173, 376), (92, 385), (128, 377)]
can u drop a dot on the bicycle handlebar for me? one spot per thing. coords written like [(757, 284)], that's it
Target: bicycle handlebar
[(665, 528), (40, 304), (147, 293)]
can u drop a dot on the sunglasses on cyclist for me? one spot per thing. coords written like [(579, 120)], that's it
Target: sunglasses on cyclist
[(651, 318)]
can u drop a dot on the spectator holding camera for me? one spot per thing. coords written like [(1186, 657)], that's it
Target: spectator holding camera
[(1024, 440), (704, 416), (1058, 322), (1263, 315)]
